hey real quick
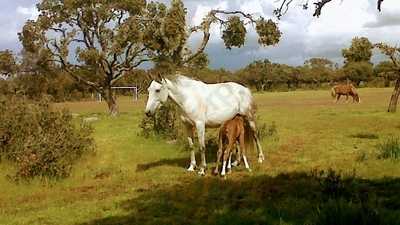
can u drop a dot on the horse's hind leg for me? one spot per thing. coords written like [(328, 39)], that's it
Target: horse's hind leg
[(253, 127), (243, 151)]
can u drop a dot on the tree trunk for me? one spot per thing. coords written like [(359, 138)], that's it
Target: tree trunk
[(395, 97), (111, 102)]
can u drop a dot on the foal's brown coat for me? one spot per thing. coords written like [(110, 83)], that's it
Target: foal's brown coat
[(229, 133), (345, 89)]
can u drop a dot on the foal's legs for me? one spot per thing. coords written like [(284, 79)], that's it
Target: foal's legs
[(201, 127), (229, 165), (227, 152), (238, 156), (190, 133)]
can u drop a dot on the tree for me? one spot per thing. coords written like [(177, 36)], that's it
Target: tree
[(318, 70), (359, 51), (394, 54), (8, 66), (112, 38), (386, 70), (257, 74), (357, 60), (358, 71)]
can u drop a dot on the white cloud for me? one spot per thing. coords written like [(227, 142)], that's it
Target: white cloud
[(303, 36), (29, 12)]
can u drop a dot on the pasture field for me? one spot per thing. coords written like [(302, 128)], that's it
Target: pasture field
[(133, 180)]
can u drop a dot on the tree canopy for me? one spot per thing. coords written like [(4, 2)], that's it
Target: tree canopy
[(7, 63), (111, 38)]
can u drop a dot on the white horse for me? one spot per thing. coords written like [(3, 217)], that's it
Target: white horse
[(204, 105)]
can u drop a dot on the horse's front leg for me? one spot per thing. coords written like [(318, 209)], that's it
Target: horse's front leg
[(201, 130), (337, 98), (190, 136)]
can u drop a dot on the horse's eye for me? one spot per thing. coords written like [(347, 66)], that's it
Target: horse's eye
[(158, 90)]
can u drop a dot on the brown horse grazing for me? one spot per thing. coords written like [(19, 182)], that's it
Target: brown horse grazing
[(231, 132), (345, 89)]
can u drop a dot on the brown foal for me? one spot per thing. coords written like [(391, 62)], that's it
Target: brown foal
[(231, 132)]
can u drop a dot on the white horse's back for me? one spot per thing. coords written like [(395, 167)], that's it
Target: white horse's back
[(219, 102)]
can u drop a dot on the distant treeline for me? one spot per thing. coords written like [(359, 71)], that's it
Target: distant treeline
[(262, 75)]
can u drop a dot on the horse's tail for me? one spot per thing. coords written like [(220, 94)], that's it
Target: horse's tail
[(333, 92), (248, 135)]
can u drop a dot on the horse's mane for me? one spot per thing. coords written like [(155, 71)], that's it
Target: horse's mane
[(182, 79)]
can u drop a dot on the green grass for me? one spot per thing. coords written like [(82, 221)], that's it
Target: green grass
[(132, 180), (390, 149)]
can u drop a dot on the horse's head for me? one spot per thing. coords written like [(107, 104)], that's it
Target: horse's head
[(158, 94), (354, 94)]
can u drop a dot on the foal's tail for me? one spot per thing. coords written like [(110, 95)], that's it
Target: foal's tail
[(333, 92)]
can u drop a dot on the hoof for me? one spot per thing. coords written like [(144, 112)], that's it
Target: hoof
[(261, 158), (249, 170), (191, 168), (235, 164), (215, 172), (202, 172)]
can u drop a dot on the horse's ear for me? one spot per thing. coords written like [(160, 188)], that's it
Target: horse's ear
[(160, 78)]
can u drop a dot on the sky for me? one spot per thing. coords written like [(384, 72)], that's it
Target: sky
[(303, 36)]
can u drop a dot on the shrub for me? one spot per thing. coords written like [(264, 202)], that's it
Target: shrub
[(390, 149), (267, 131), (341, 211), (40, 141), (165, 122)]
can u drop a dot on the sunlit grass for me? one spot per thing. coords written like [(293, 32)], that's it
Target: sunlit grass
[(313, 134)]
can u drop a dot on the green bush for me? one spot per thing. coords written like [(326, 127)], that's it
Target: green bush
[(165, 122), (40, 141), (390, 149)]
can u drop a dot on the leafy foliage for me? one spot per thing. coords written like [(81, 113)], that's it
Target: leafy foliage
[(359, 51), (235, 32), (268, 32), (7, 63), (358, 71), (40, 141), (163, 123)]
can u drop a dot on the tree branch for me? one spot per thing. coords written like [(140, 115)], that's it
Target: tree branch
[(65, 65), (319, 6), (379, 5), (122, 71)]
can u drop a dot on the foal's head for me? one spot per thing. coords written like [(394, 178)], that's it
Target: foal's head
[(158, 94)]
